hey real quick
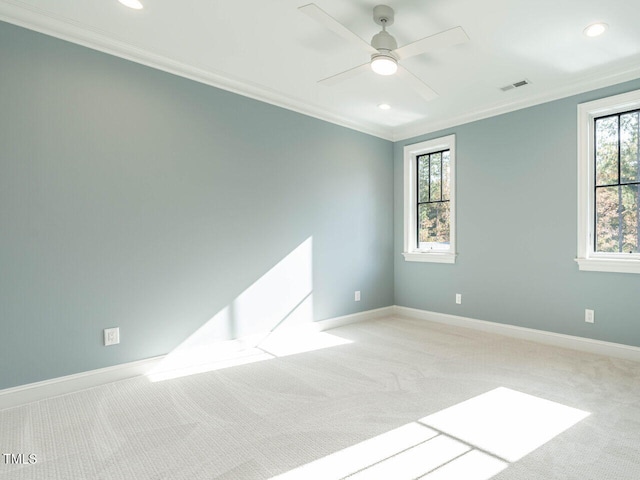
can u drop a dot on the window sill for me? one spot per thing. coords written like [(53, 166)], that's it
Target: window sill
[(433, 257), (612, 265)]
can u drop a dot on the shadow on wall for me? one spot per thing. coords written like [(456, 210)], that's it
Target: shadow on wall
[(271, 318)]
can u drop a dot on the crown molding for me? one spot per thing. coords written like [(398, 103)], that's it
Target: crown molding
[(630, 72), (39, 20)]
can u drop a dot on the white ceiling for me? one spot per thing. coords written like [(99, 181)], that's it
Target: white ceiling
[(270, 51)]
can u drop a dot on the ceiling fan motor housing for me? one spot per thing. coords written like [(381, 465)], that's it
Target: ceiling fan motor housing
[(383, 41), (384, 62)]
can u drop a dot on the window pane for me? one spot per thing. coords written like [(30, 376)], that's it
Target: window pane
[(630, 217), (433, 226), (607, 220), (629, 142), (607, 151), (436, 183), (617, 215), (446, 184), (423, 178)]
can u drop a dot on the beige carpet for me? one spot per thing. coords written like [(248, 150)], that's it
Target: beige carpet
[(404, 399)]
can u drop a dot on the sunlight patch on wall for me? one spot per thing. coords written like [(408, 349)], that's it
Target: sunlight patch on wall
[(271, 300), (271, 318), (196, 350)]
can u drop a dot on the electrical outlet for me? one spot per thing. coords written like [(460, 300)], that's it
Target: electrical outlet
[(111, 336), (589, 316), (459, 298), (356, 297)]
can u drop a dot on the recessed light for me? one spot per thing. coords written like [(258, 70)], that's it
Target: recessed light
[(384, 106), (595, 29), (135, 4)]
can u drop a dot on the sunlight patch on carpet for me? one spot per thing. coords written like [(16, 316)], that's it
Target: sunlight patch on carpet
[(504, 422), (473, 440)]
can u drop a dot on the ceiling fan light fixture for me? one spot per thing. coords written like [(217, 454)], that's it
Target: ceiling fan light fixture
[(384, 64)]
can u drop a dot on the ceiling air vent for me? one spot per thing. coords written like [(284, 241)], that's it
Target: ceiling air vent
[(511, 86)]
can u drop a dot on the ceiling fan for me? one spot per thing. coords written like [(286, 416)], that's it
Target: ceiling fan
[(384, 50)]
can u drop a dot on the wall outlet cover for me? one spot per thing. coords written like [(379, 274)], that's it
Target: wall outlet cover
[(111, 336), (589, 316)]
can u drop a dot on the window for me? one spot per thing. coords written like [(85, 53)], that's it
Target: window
[(609, 184), (429, 201)]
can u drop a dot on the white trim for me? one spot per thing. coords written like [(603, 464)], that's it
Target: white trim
[(582, 344), (39, 20), (433, 257), (367, 315), (609, 265), (33, 392), (16, 396), (627, 73), (587, 259), (410, 251)]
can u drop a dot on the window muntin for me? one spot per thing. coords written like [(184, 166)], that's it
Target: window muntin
[(429, 201), (433, 218), (617, 183), (608, 176)]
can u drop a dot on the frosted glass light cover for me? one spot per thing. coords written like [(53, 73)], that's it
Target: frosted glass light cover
[(383, 65)]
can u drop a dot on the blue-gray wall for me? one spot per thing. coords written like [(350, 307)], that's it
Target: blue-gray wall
[(517, 231), (134, 198)]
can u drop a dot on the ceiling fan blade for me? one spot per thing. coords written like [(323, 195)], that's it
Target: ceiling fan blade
[(448, 38), (339, 77), (322, 17), (418, 85)]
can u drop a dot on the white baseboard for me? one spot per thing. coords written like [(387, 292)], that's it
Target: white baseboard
[(12, 397), (32, 392), (355, 317), (589, 345)]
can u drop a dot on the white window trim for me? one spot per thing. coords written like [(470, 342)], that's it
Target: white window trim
[(588, 260), (411, 253)]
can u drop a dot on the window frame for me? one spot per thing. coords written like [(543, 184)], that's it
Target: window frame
[(411, 252), (588, 259)]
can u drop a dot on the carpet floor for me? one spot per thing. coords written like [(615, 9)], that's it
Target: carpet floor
[(388, 399)]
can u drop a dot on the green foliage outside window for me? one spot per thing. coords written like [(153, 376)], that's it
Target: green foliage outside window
[(434, 188), (617, 192)]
